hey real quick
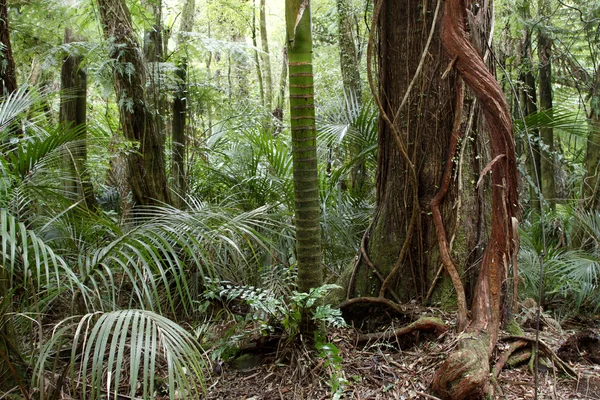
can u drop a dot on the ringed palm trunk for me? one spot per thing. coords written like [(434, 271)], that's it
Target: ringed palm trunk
[(146, 166), (304, 146)]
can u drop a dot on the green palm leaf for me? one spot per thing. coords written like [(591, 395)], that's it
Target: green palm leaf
[(127, 348)]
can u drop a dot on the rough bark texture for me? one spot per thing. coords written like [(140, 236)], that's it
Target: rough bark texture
[(547, 133), (73, 114), (146, 167), (304, 150), (349, 62), (178, 124), (465, 373), (412, 153), (8, 75)]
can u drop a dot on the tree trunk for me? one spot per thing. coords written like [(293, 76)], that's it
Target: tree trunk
[(146, 166), (304, 146), (178, 127), (528, 103), (278, 110), (591, 181), (261, 86), (401, 246), (349, 63), (8, 338), (8, 74), (266, 56), (73, 114), (547, 133)]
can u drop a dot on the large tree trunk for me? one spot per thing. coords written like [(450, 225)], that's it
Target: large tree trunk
[(178, 127), (73, 114), (304, 145), (547, 133), (146, 166), (415, 132)]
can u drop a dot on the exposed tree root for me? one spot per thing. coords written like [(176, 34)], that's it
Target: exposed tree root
[(503, 359), (465, 374), (422, 324), (545, 349), (400, 309)]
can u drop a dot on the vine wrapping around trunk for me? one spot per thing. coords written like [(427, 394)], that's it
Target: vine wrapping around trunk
[(465, 373)]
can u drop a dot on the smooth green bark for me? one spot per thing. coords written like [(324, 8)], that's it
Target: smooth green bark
[(304, 146)]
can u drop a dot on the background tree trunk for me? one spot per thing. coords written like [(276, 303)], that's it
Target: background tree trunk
[(259, 75), (73, 114), (591, 181), (304, 146), (266, 56), (528, 103), (178, 127), (146, 167), (8, 73), (547, 133), (349, 62)]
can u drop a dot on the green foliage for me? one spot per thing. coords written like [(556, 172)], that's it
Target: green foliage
[(275, 312), (125, 346), (333, 363), (571, 275)]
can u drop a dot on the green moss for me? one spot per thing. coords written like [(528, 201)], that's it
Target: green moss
[(514, 328)]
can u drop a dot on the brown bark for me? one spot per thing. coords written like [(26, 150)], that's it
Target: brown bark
[(73, 114), (146, 167), (465, 373), (8, 74), (417, 106)]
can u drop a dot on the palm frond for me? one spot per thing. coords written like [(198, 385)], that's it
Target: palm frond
[(126, 348)]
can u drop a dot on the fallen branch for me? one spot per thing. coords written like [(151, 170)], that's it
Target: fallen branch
[(543, 347), (422, 324)]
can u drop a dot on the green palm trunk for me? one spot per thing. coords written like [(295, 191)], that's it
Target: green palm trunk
[(304, 145)]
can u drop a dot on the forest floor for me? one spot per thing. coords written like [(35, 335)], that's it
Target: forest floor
[(401, 368)]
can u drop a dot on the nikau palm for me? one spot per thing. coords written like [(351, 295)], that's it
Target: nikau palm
[(304, 146)]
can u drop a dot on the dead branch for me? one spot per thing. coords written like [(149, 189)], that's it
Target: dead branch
[(422, 324)]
